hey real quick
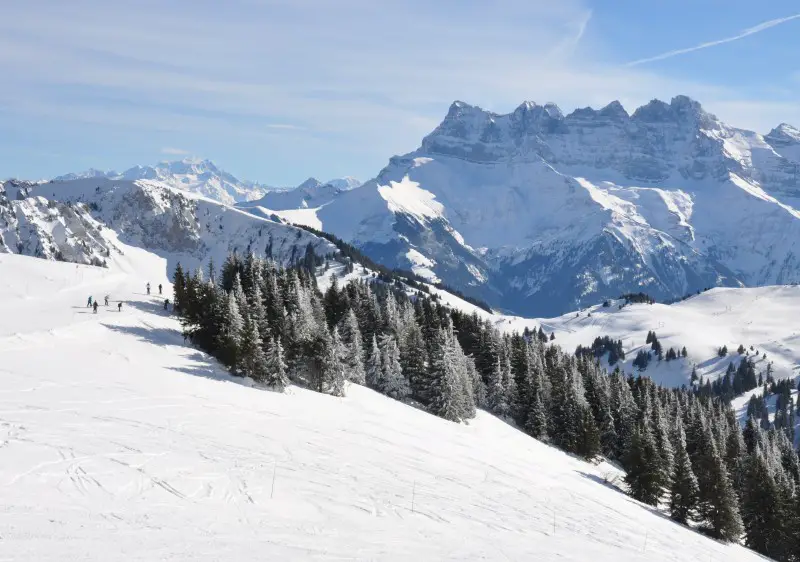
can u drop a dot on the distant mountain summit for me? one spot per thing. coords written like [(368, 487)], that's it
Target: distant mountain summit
[(310, 194), (190, 174)]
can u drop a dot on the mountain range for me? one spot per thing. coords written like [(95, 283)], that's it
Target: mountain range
[(202, 177), (539, 213)]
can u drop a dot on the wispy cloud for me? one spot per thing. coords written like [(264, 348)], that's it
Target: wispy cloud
[(746, 33), (316, 86), (174, 151), (284, 126), (576, 30)]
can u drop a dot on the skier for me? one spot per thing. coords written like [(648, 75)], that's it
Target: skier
[(166, 303), (119, 306), (106, 300), (89, 302), (94, 306), (159, 288), (148, 288)]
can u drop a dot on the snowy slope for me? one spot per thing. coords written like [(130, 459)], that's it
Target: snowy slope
[(120, 443), (540, 213), (767, 318)]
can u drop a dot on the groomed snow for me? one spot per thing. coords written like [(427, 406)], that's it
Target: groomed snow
[(118, 442)]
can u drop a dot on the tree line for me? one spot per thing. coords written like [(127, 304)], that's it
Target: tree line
[(681, 450)]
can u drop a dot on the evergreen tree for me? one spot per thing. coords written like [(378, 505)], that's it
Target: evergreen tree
[(446, 399), (178, 288), (413, 355), (230, 334), (352, 348), (762, 513), (277, 376), (393, 383), (684, 489), (643, 475), (718, 506), (252, 361), (374, 374), (496, 392), (332, 369)]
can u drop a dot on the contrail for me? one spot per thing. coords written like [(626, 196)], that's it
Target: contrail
[(747, 32)]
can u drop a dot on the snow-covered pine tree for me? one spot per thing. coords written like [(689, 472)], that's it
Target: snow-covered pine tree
[(763, 513), (446, 400), (718, 506), (178, 288), (276, 370), (252, 361), (413, 356), (257, 311), (374, 371), (231, 331), (332, 368), (683, 486), (642, 470), (496, 392), (392, 381), (352, 348)]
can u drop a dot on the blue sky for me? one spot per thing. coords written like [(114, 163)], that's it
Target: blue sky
[(279, 90)]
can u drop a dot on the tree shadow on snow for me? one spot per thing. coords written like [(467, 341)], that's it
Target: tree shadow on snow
[(151, 307), (655, 510), (595, 478), (157, 336)]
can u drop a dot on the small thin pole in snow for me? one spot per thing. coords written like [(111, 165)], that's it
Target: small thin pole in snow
[(274, 470), (646, 533), (413, 495), (554, 521)]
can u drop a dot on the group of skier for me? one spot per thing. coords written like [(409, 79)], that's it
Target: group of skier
[(160, 288), (93, 304)]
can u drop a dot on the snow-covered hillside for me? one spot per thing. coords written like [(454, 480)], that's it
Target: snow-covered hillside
[(48, 229), (82, 220), (766, 318), (540, 213), (118, 442)]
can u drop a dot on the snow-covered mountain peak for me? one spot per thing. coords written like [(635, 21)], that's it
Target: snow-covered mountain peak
[(344, 184), (784, 134), (311, 194), (614, 110), (310, 183), (682, 109), (90, 173)]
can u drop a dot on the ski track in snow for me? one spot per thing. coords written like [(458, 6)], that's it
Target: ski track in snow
[(117, 442)]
